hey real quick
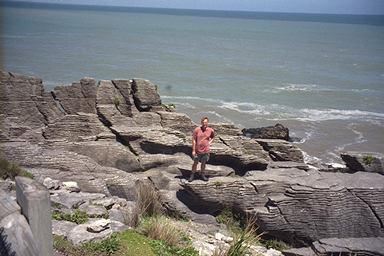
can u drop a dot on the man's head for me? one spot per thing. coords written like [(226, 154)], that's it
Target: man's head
[(204, 122)]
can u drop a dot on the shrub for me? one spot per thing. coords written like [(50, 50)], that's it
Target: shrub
[(79, 217), (11, 170)]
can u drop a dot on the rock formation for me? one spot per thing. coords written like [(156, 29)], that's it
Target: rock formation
[(110, 134)]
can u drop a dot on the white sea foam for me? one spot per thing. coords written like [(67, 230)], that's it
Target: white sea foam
[(314, 88), (298, 87), (191, 98), (336, 114), (276, 112)]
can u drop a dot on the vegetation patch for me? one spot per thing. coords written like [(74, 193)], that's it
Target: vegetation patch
[(161, 228), (78, 217), (116, 101), (368, 160), (231, 220), (11, 170), (163, 249), (275, 244), (218, 183), (103, 248), (148, 200)]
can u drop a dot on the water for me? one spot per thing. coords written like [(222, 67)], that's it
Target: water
[(320, 75)]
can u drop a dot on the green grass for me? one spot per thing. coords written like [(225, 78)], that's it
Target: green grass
[(79, 217), (127, 243), (133, 243)]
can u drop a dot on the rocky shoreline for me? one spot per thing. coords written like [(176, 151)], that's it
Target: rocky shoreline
[(110, 135)]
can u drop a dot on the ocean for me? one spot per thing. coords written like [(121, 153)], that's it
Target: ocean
[(322, 76)]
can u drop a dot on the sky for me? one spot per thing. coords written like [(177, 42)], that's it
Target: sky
[(298, 6)]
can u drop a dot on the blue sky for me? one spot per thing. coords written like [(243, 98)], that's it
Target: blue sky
[(304, 6)]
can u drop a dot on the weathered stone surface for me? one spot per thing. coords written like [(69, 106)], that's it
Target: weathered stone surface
[(145, 95), (341, 246), (7, 205), (70, 186), (303, 251), (94, 211), (16, 237), (289, 164), (301, 206), (222, 129), (118, 156), (35, 204), (80, 127), (79, 234), (73, 200), (51, 184), (281, 150), (98, 226), (270, 132), (24, 107), (62, 228), (114, 102), (177, 121), (152, 140), (125, 214), (99, 135), (364, 161), (78, 97), (240, 153)]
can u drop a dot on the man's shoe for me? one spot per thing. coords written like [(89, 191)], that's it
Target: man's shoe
[(203, 177), (191, 177)]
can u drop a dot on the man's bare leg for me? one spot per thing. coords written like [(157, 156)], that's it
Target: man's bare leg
[(202, 167), (194, 168)]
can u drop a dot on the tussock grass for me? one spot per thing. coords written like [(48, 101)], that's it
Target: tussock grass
[(11, 170), (161, 228), (148, 201)]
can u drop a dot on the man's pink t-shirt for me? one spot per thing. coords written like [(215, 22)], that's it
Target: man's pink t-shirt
[(202, 139)]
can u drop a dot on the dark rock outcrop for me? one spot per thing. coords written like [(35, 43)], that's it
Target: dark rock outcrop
[(281, 150), (270, 132), (364, 161)]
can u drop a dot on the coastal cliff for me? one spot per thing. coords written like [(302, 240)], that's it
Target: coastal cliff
[(108, 135)]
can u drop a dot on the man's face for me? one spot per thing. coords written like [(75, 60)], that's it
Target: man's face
[(204, 123)]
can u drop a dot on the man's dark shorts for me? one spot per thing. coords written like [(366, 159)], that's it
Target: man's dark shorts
[(201, 157)]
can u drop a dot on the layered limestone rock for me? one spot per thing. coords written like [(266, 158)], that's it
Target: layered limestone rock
[(301, 207), (109, 135)]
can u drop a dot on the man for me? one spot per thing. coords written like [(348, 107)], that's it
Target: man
[(202, 138)]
